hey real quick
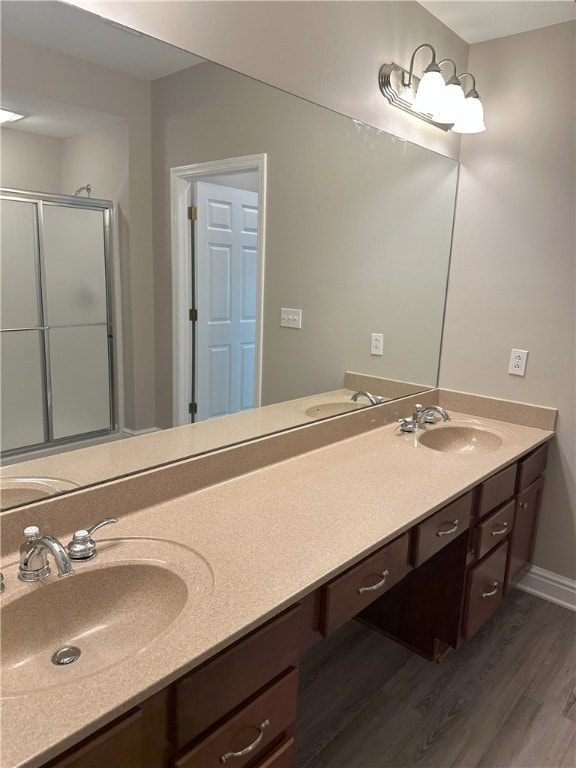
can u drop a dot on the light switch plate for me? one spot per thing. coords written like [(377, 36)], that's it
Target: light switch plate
[(291, 318)]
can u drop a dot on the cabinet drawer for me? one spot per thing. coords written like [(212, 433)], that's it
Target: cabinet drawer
[(349, 593), (485, 590), (282, 757), (250, 732), (496, 490), (531, 467), (491, 531), (441, 528), (226, 681)]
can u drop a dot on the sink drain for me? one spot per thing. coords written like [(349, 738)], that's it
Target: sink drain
[(66, 655)]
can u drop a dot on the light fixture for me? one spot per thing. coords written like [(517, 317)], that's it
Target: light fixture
[(8, 115), (449, 106), (431, 87), (430, 97), (471, 116)]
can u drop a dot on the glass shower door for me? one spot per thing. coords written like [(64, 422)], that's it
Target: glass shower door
[(57, 355), (76, 312), (23, 403)]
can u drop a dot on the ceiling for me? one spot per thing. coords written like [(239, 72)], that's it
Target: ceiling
[(479, 20)]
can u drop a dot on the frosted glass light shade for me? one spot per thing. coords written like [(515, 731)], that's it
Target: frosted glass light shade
[(471, 118), (430, 93), (450, 105)]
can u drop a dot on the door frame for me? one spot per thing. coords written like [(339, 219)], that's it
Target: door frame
[(182, 181)]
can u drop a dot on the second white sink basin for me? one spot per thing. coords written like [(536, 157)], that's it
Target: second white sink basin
[(461, 439)]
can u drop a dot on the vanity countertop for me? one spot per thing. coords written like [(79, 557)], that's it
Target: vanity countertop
[(127, 454), (262, 540)]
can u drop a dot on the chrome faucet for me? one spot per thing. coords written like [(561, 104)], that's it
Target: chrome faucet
[(422, 416), (374, 399), (34, 552), (428, 414)]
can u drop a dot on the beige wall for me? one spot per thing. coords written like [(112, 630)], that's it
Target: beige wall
[(340, 201), (53, 76), (29, 161), (513, 258), (327, 52), (512, 276)]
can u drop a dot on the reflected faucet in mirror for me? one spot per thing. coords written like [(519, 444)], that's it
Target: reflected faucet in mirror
[(374, 400)]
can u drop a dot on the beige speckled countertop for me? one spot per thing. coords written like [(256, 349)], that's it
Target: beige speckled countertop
[(262, 540), (119, 457)]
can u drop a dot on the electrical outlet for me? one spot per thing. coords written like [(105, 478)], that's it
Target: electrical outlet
[(291, 318), (377, 344), (518, 359)]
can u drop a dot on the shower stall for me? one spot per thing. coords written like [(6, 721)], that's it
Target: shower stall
[(57, 321)]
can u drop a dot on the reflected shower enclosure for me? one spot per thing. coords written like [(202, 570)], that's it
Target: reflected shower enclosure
[(57, 334)]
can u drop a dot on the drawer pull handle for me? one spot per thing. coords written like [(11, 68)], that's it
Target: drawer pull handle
[(251, 747), (502, 530), (524, 504), (379, 585), (492, 591), (448, 531)]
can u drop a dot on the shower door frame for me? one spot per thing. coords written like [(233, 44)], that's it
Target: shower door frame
[(113, 315)]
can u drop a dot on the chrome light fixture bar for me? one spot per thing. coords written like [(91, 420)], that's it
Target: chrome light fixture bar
[(431, 98)]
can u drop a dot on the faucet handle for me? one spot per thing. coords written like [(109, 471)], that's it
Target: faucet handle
[(32, 532), (82, 547)]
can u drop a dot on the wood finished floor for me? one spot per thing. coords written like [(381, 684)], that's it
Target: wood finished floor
[(506, 699)]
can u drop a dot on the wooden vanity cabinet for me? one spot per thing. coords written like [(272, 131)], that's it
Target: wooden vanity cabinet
[(241, 705), (484, 590), (450, 595), (529, 490), (138, 739), (429, 589), (346, 595)]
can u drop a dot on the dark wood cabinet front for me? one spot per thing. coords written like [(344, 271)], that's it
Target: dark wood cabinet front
[(523, 537), (485, 590), (430, 588)]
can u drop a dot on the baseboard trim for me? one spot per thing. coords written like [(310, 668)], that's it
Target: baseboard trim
[(550, 586)]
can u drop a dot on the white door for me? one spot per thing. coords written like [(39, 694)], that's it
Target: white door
[(226, 286)]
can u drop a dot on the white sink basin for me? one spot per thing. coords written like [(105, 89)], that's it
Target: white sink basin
[(461, 439), (333, 408), (111, 609), (22, 490)]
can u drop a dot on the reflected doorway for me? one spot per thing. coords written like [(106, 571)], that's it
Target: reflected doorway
[(217, 287)]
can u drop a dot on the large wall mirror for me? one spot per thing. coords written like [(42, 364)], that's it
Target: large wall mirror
[(338, 221)]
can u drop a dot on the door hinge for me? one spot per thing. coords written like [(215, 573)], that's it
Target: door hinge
[(193, 315), (192, 212), (192, 408)]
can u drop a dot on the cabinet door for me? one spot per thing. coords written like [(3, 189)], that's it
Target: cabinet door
[(524, 532), (485, 590)]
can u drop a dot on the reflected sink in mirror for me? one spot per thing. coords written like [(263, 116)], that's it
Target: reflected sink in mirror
[(333, 408), (461, 439), (111, 611), (22, 490)]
